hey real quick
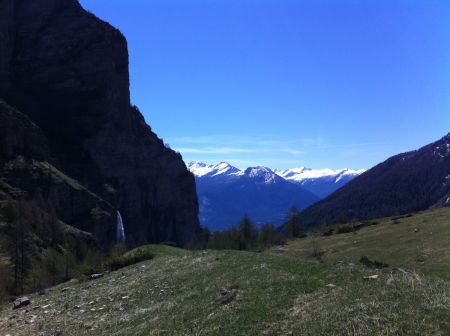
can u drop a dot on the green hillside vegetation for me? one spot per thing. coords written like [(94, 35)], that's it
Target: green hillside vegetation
[(38, 250), (288, 290), (419, 242)]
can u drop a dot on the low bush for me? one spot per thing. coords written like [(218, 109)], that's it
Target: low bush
[(129, 259), (396, 218), (327, 232), (355, 227), (169, 243), (372, 263), (345, 229), (317, 251)]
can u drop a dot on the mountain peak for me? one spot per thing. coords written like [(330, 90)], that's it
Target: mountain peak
[(223, 165), (262, 175), (258, 170), (225, 168), (200, 169), (197, 163)]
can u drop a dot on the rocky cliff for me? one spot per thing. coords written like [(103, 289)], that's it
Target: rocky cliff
[(67, 71)]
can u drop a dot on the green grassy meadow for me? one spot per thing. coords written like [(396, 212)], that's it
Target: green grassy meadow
[(283, 291)]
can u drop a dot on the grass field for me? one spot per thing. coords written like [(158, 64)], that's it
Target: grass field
[(284, 291), (420, 242)]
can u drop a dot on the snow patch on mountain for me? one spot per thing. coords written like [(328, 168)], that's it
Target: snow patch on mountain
[(301, 174), (201, 169), (262, 175)]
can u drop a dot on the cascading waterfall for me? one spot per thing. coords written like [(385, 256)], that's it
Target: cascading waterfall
[(120, 232)]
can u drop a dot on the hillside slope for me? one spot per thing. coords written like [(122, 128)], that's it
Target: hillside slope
[(280, 292), (416, 242), (404, 183)]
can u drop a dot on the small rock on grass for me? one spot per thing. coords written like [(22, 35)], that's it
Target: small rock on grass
[(228, 294), (96, 276), (21, 302), (403, 271), (51, 333), (372, 277)]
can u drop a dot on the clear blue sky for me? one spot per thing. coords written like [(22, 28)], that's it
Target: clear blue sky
[(288, 83)]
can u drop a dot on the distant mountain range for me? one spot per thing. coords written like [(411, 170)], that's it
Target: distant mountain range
[(227, 193), (404, 183), (321, 182)]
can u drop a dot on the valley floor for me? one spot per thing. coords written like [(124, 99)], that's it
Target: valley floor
[(284, 291)]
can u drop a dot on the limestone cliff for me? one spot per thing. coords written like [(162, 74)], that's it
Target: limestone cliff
[(68, 72)]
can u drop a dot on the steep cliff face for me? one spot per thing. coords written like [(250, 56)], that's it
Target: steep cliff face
[(26, 173), (19, 136), (68, 71)]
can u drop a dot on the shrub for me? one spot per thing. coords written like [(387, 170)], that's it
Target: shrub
[(169, 243), (317, 251), (130, 259), (372, 263), (344, 229), (402, 216), (328, 232)]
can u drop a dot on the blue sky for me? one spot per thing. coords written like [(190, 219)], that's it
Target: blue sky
[(288, 83)]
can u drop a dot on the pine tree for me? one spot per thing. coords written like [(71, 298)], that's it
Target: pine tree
[(293, 228), (270, 236), (20, 228), (248, 234)]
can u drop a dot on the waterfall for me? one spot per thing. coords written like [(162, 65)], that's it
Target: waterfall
[(120, 232)]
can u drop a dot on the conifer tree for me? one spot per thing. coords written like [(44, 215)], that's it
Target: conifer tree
[(293, 228), (248, 234)]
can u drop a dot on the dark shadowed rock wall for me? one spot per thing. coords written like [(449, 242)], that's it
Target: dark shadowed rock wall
[(68, 72)]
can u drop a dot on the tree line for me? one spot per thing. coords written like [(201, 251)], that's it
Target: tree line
[(36, 252), (248, 236)]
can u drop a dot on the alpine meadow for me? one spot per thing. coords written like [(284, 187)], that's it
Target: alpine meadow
[(185, 167)]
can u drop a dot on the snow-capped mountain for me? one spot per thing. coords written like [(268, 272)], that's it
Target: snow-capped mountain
[(227, 193), (321, 182), (200, 169), (263, 175)]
